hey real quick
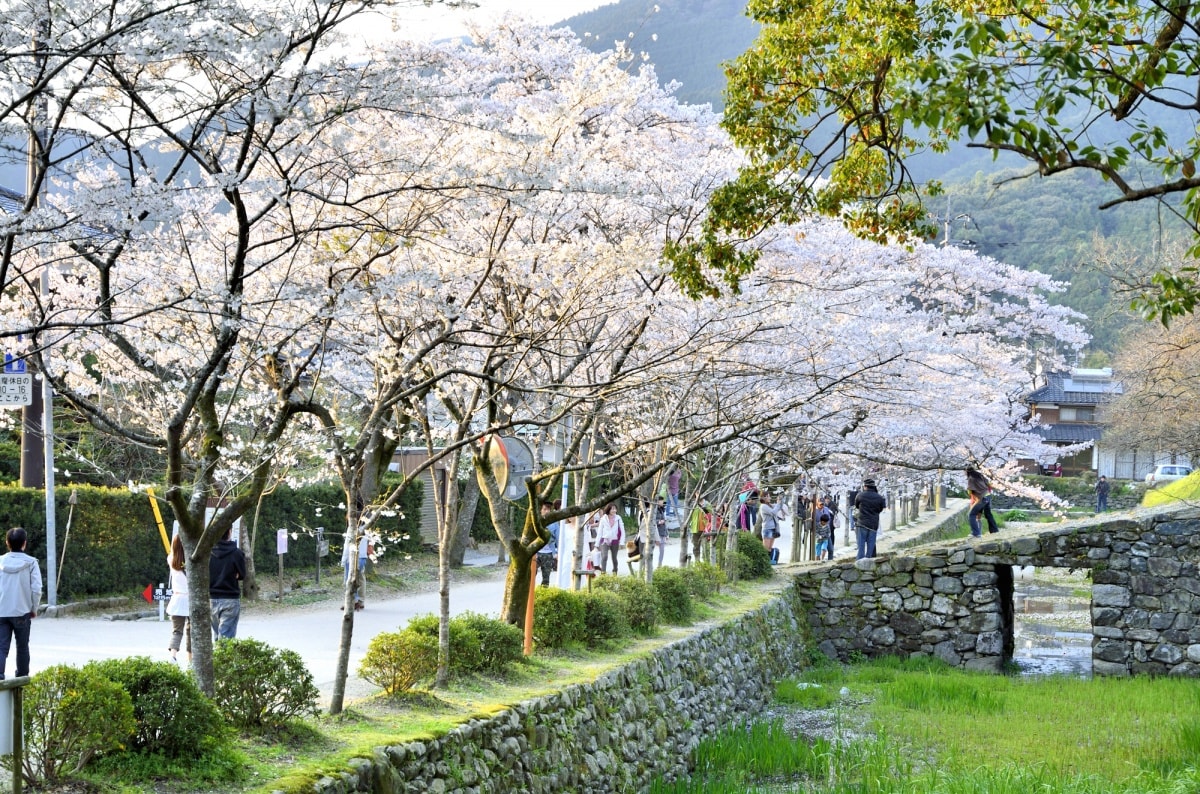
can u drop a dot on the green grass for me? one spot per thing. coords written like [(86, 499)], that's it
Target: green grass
[(944, 731), (1185, 490)]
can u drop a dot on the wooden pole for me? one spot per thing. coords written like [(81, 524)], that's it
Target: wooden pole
[(529, 606)]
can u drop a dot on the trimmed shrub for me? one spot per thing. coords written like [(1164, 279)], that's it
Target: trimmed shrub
[(703, 579), (396, 661), (173, 716), (674, 598), (478, 643), (72, 715), (753, 559), (500, 643), (466, 646), (638, 600), (603, 617), (259, 687), (558, 617)]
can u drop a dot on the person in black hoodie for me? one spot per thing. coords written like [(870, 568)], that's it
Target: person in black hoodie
[(869, 503), (226, 570)]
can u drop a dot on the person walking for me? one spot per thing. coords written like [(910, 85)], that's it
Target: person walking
[(547, 556), (226, 572), (1102, 489), (869, 503), (769, 515), (660, 529), (178, 607), (608, 536), (20, 594), (981, 503)]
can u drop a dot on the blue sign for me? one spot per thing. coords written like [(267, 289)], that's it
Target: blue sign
[(14, 366)]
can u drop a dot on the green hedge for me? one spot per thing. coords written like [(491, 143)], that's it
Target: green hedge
[(114, 548)]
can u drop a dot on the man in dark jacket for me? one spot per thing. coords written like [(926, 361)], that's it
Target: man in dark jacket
[(226, 570), (869, 503)]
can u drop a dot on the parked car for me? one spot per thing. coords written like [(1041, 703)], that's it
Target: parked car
[(1167, 472)]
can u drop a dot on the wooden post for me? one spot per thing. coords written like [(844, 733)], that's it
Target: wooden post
[(18, 700), (529, 606)]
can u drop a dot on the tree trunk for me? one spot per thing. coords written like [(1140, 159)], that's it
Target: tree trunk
[(199, 617), (346, 635), (516, 584), (466, 519), (448, 527)]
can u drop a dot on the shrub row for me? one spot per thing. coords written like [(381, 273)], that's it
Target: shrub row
[(397, 661), (112, 544), (617, 606), (74, 717)]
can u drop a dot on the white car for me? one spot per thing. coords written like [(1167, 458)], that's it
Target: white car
[(1167, 472)]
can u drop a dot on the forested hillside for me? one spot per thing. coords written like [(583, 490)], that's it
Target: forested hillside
[(1051, 225), (687, 40)]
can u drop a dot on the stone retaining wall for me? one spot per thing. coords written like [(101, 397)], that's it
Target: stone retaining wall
[(613, 735)]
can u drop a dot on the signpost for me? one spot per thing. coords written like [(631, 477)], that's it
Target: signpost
[(16, 390)]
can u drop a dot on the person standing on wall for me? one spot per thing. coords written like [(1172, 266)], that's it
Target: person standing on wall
[(20, 594), (768, 516), (674, 478), (869, 503), (226, 572), (1102, 489), (981, 503)]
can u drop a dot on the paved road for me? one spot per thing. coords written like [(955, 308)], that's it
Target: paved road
[(314, 631)]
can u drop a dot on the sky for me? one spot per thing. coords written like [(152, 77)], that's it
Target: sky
[(438, 22)]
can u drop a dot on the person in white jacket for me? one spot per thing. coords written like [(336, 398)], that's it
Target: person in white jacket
[(20, 594)]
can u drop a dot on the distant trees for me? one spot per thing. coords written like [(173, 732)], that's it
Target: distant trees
[(834, 99)]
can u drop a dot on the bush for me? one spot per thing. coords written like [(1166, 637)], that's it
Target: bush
[(674, 598), (500, 643), (257, 686), (558, 618), (703, 579), (603, 617), (466, 646), (397, 661), (478, 644), (71, 715), (753, 559), (173, 716), (638, 600)]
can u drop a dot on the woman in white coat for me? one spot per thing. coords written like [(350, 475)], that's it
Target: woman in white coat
[(178, 607)]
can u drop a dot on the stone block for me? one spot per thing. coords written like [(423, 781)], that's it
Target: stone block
[(890, 602), (914, 603), (950, 585), (922, 578), (883, 637), (943, 605), (1111, 669), (1106, 616), (904, 623), (1110, 576), (990, 643), (1163, 566), (931, 619), (1110, 596), (979, 578), (903, 564), (1099, 554), (963, 641), (985, 595), (1108, 632), (985, 664), (1142, 635), (862, 588), (1167, 654), (1111, 650), (982, 621), (1162, 620), (1023, 546), (1193, 653), (931, 563), (833, 588), (945, 651)]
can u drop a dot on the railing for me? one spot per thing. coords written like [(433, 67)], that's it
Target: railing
[(12, 725)]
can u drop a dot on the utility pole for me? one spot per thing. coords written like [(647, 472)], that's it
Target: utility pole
[(37, 419)]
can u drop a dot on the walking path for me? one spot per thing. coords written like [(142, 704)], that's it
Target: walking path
[(313, 631)]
